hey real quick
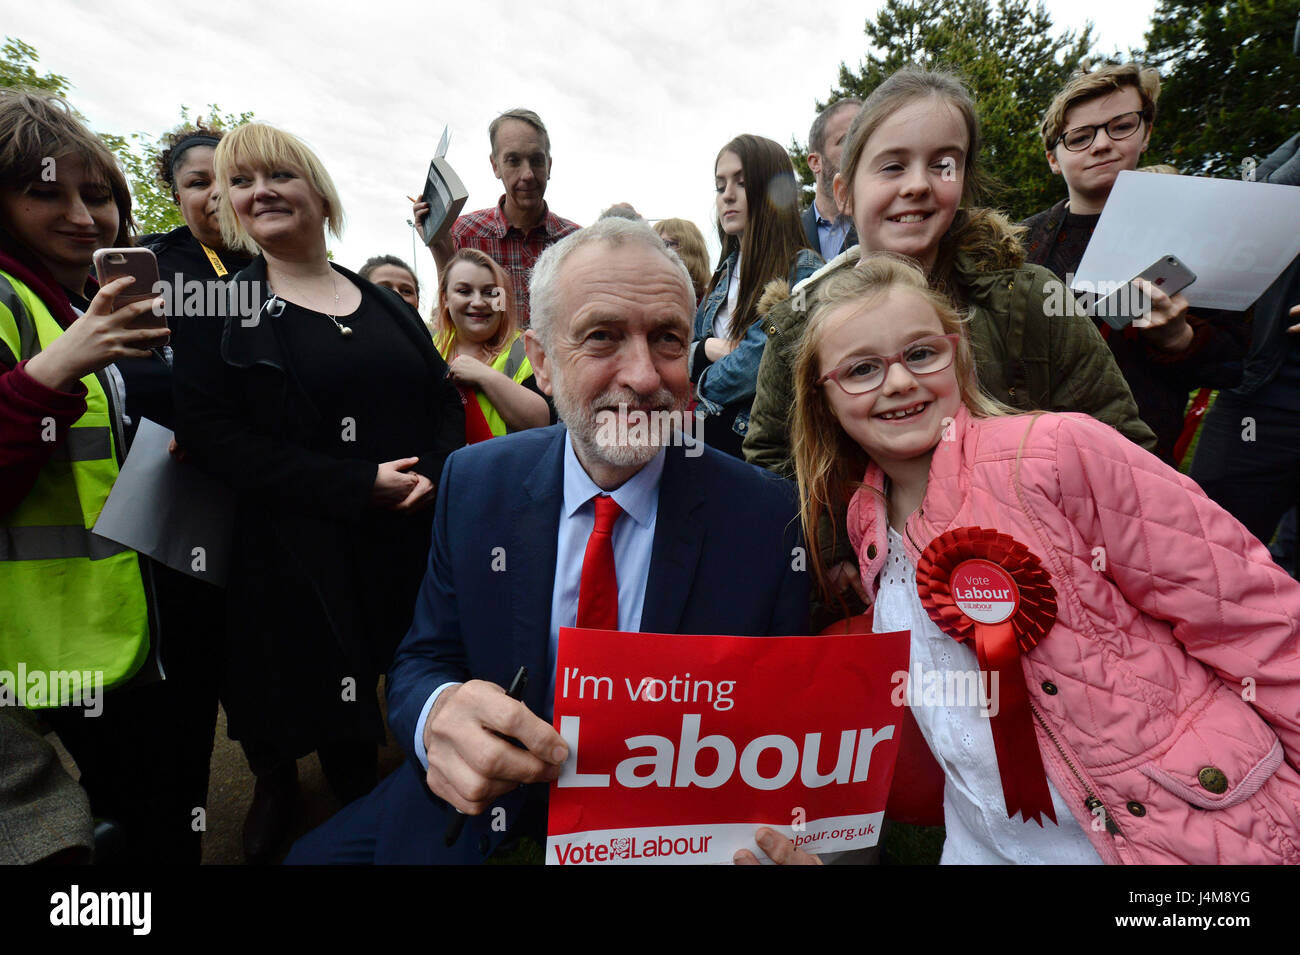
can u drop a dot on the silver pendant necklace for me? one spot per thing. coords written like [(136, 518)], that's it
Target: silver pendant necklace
[(345, 331)]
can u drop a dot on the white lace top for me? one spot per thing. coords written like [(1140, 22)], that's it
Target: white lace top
[(950, 715)]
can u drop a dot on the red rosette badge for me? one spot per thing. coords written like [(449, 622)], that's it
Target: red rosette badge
[(986, 589)]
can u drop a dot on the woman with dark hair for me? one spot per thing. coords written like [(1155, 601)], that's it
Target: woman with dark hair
[(391, 272), (328, 410), (195, 249), (71, 601), (193, 262), (762, 241)]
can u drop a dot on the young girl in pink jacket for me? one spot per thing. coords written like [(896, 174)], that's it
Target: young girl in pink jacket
[(1135, 649)]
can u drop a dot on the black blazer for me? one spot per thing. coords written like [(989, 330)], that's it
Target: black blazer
[(294, 623)]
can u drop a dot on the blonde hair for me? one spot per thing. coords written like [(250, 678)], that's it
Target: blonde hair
[(690, 249), (444, 329), (262, 146), (829, 465), (1089, 84)]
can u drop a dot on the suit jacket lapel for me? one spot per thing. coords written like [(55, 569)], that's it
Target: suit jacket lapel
[(850, 240), (810, 228), (535, 528), (679, 536)]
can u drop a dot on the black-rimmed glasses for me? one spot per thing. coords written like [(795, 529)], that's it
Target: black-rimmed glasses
[(1119, 127)]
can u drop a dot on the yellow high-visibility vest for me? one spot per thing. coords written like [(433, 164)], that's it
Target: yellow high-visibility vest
[(69, 599)]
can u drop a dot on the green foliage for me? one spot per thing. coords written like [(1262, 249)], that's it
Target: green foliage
[(139, 155), (1230, 82), (1012, 64), (18, 68), (902, 844)]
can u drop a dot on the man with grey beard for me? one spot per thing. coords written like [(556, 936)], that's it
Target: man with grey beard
[(699, 543), (829, 231)]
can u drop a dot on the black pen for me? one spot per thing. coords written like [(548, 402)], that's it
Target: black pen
[(516, 692)]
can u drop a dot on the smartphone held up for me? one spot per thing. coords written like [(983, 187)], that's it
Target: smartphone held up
[(142, 266), (1131, 303)]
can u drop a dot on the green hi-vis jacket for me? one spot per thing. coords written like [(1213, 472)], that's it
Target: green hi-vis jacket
[(71, 603)]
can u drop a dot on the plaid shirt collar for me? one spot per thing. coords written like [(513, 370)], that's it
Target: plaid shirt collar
[(500, 225)]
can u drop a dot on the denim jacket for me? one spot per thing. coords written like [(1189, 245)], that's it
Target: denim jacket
[(732, 379)]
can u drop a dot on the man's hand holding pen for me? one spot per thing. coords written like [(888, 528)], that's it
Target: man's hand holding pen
[(471, 761)]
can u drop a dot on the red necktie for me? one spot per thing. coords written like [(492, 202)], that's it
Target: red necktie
[(598, 591)]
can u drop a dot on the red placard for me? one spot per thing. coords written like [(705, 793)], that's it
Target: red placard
[(682, 746)]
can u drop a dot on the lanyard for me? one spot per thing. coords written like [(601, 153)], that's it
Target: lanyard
[(217, 266)]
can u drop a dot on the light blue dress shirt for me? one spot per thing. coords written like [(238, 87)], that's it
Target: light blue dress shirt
[(633, 541), (831, 232)]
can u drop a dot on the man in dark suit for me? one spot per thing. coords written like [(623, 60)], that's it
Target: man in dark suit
[(827, 230), (702, 543)]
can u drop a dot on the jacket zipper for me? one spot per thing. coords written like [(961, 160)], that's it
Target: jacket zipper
[(1091, 802), (920, 515)]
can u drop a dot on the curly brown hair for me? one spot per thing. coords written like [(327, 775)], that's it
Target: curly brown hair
[(177, 137)]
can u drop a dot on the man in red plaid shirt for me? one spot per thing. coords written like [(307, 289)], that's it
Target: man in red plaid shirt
[(519, 226)]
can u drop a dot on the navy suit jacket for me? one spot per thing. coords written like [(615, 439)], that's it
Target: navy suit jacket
[(809, 220), (722, 561)]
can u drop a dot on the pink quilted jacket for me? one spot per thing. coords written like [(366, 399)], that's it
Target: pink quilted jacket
[(1168, 692)]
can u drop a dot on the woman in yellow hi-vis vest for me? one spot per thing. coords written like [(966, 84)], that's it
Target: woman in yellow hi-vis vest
[(75, 609), (476, 330)]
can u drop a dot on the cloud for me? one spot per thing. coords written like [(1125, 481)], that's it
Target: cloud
[(638, 96)]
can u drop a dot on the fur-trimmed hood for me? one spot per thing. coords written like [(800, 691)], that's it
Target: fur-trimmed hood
[(979, 241)]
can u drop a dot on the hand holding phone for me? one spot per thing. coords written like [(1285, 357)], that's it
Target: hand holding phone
[(1131, 301), (1165, 323), (103, 335), (142, 266)]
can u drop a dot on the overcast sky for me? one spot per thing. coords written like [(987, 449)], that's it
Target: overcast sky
[(638, 96)]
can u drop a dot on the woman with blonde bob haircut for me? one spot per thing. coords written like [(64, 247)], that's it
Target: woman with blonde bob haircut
[(262, 146), (476, 330), (1115, 730), (327, 409)]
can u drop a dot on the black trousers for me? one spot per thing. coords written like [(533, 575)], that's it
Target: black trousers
[(1248, 462), (144, 759), (351, 766)]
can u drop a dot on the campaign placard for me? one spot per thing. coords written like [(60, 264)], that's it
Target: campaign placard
[(681, 746)]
